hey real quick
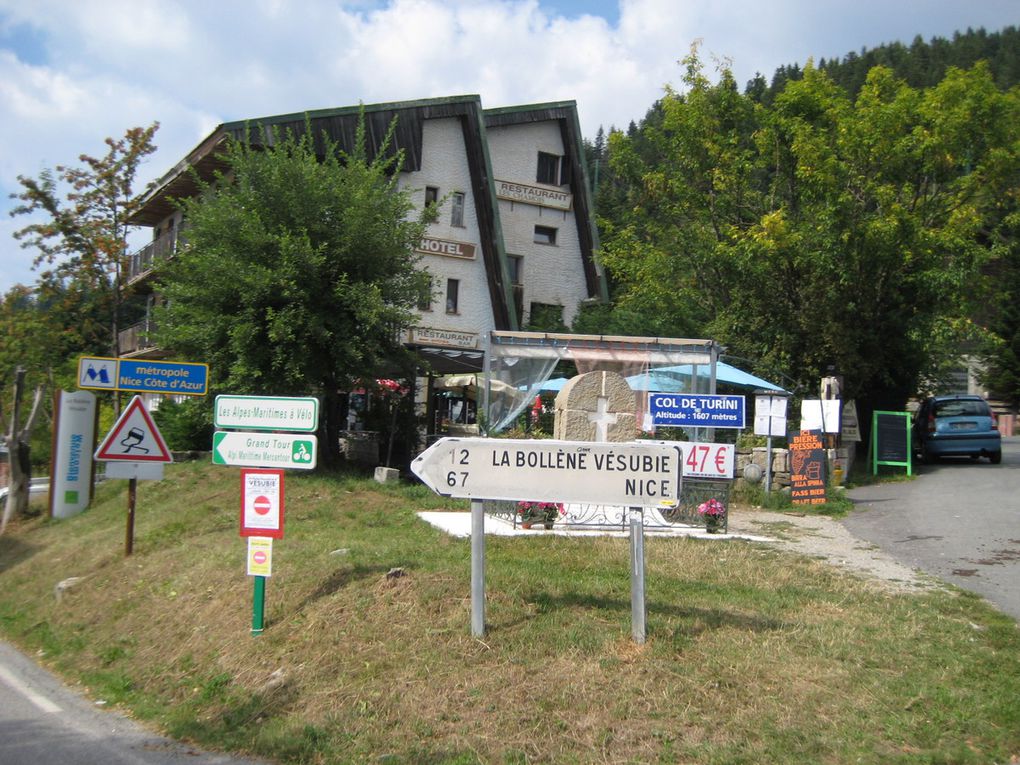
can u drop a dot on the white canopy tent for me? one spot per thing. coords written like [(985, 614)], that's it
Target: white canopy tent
[(519, 364)]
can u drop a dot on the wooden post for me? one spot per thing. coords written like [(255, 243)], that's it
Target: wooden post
[(129, 534)]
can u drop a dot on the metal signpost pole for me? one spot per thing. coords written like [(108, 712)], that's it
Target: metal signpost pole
[(768, 460), (477, 569), (622, 474), (258, 606), (637, 575), (134, 448), (129, 534)]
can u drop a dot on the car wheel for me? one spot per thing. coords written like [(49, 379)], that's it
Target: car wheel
[(995, 457)]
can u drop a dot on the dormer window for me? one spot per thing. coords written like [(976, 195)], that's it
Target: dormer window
[(553, 169), (457, 211), (545, 235)]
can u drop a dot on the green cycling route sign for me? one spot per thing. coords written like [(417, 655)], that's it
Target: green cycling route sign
[(273, 450)]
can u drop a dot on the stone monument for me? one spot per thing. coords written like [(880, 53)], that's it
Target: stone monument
[(597, 406)]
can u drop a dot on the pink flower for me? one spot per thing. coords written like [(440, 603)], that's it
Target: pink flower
[(712, 507)]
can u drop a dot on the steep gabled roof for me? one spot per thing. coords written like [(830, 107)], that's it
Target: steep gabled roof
[(565, 114), (406, 119)]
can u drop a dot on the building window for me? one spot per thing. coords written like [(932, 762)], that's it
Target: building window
[(431, 195), (452, 295), (545, 235), (425, 295), (516, 263), (552, 169), (457, 214), (546, 317)]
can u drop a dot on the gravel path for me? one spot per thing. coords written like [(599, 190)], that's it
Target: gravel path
[(819, 536)]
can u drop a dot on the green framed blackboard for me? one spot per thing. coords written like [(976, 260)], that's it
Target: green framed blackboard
[(890, 440)]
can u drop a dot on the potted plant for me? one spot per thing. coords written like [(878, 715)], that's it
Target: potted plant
[(539, 513), (713, 510)]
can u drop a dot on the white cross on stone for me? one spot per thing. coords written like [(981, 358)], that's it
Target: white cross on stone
[(602, 418)]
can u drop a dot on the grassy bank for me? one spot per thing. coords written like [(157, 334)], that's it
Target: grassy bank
[(753, 656)]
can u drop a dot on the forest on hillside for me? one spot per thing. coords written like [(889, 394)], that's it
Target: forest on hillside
[(858, 215)]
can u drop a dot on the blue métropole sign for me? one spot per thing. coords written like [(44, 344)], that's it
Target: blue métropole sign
[(698, 410), (171, 378)]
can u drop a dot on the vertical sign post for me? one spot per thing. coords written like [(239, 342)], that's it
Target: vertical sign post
[(258, 608), (769, 421), (637, 575), (74, 440), (134, 440), (477, 568), (260, 567), (261, 522), (262, 490), (129, 531), (635, 474)]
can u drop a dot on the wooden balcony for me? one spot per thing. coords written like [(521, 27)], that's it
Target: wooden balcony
[(159, 249), (138, 338)]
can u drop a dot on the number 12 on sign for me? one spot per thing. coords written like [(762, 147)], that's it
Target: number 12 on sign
[(457, 478)]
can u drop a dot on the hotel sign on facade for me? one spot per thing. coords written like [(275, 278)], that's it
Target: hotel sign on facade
[(534, 195), (446, 247)]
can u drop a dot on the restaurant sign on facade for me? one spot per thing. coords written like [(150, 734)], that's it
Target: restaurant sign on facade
[(534, 195), (430, 336)]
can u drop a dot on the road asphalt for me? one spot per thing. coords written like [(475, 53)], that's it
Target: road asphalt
[(44, 722), (957, 520)]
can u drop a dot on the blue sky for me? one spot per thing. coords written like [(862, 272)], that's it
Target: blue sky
[(73, 72)]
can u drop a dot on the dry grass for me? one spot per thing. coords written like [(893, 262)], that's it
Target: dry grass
[(753, 656)]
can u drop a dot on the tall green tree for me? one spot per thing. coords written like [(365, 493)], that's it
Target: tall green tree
[(82, 228), (299, 273), (29, 351), (817, 230), (15, 431), (687, 175)]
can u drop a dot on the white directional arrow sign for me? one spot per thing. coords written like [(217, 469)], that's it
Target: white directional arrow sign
[(631, 474)]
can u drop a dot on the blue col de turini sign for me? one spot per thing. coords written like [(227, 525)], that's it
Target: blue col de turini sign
[(697, 410)]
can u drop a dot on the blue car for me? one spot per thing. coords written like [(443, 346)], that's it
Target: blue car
[(959, 425)]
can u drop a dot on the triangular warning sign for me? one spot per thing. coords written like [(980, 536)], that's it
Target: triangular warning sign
[(134, 437)]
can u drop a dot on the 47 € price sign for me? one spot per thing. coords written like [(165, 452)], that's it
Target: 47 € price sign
[(703, 460)]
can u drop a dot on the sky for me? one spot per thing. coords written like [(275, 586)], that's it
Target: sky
[(74, 72)]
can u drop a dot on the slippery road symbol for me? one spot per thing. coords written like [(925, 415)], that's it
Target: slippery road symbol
[(133, 440)]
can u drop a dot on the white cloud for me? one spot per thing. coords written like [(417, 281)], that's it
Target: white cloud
[(35, 94)]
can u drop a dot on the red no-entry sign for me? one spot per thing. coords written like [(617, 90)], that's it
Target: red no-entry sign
[(262, 503)]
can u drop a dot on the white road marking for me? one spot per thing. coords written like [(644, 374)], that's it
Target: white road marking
[(43, 703)]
